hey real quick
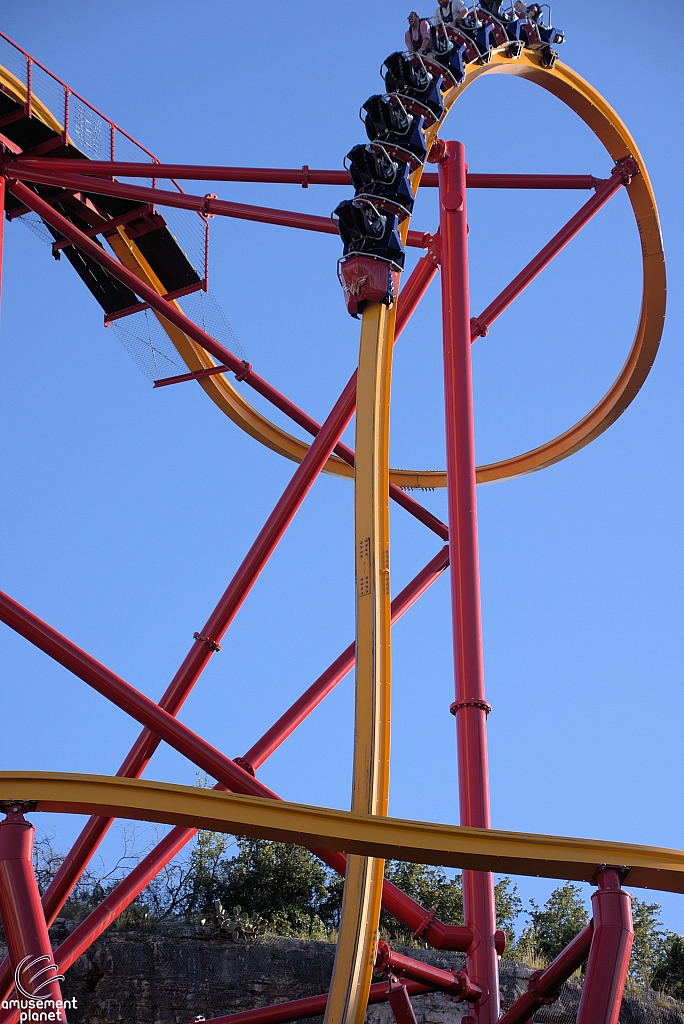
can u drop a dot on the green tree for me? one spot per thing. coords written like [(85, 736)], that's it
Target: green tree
[(554, 925), (650, 941), (430, 887), (508, 908), (283, 883), (668, 975)]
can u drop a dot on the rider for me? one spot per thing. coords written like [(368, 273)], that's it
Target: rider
[(450, 12), (418, 37), (493, 7)]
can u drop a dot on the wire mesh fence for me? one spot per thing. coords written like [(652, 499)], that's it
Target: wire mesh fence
[(172, 973)]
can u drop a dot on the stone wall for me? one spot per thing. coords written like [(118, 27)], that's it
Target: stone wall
[(170, 974)]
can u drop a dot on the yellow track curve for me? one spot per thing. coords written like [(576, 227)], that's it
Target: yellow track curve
[(361, 908), (590, 106), (517, 853), (587, 103)]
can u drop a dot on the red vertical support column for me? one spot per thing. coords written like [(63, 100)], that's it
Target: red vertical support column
[(470, 707), (23, 920), (611, 945)]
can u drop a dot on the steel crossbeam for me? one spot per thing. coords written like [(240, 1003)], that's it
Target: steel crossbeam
[(303, 176), (517, 853)]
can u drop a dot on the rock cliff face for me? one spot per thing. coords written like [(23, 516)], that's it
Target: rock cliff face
[(170, 974)]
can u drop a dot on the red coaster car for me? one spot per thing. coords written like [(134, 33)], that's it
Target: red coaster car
[(367, 279)]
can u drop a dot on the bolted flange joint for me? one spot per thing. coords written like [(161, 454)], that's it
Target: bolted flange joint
[(626, 167), (438, 152), (208, 641), (539, 998), (243, 763), (458, 705), (16, 809)]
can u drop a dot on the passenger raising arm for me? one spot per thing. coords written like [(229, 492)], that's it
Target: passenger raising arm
[(418, 36)]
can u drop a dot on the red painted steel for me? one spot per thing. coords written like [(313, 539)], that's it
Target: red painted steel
[(607, 189), (196, 660), (471, 716), (303, 176), (130, 700), (300, 1009), (422, 274), (131, 886), (205, 205), (544, 986), (454, 983), (395, 901), (399, 1001), (23, 922), (311, 698), (30, 61), (611, 946)]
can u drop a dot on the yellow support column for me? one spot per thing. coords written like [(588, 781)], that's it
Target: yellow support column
[(370, 789)]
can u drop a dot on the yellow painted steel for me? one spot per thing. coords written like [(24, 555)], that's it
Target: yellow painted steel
[(358, 934), (518, 853), (365, 833), (590, 106)]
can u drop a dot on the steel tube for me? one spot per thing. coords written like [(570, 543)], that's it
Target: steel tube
[(545, 984), (26, 934), (128, 889), (135, 762), (470, 706), (607, 189), (421, 275), (611, 946), (194, 663), (455, 983), (311, 698), (128, 699), (200, 204), (303, 176), (300, 1009)]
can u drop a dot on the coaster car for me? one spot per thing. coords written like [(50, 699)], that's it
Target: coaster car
[(399, 132), (380, 179), (365, 229), (419, 89), (367, 279)]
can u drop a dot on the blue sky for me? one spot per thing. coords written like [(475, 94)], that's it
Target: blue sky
[(126, 511)]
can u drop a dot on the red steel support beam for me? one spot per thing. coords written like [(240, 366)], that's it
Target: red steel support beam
[(418, 282), (406, 908), (303, 176), (545, 985), (311, 698), (611, 946), (143, 873), (200, 204), (196, 660), (621, 176), (229, 774), (470, 706), (301, 1009), (26, 934), (454, 983), (128, 699), (400, 1003)]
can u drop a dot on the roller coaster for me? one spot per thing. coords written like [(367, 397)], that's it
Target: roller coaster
[(53, 171)]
